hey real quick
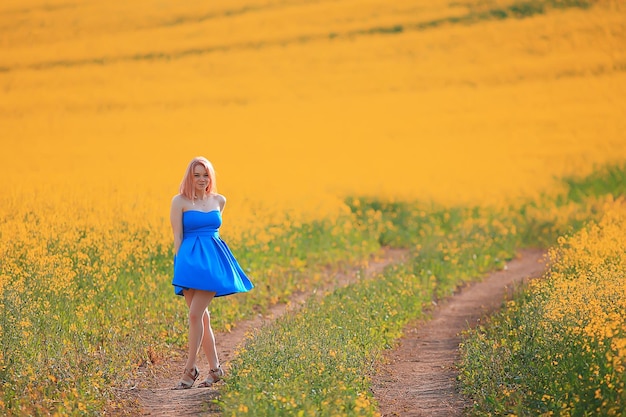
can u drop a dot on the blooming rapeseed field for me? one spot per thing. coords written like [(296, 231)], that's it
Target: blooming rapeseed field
[(301, 106), (559, 348)]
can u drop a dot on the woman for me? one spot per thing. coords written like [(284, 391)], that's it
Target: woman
[(204, 266)]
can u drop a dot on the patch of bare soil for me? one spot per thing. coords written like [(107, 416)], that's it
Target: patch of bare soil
[(153, 393), (418, 377)]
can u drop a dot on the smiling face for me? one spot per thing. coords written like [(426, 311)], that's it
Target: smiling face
[(201, 180)]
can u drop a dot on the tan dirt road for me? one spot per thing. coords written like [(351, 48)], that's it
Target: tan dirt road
[(419, 378)]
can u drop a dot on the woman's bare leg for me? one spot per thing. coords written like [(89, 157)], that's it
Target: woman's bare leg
[(188, 297), (208, 341), (198, 301)]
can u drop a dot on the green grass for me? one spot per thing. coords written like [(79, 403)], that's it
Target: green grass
[(605, 180), (318, 361)]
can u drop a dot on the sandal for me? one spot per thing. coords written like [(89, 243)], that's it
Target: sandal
[(214, 376), (189, 377)]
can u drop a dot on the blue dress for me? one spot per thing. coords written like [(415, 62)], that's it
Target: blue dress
[(204, 261)]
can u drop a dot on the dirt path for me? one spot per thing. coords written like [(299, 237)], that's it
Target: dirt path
[(153, 393), (420, 378)]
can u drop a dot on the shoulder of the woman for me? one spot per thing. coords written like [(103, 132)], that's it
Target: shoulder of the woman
[(178, 199), (220, 197)]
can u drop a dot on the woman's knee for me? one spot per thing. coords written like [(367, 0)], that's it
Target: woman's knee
[(196, 316)]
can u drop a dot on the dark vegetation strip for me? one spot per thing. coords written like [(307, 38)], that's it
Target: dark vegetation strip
[(46, 8), (520, 10), (182, 20), (515, 11)]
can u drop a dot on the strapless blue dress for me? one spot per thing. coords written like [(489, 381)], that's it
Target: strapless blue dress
[(204, 261)]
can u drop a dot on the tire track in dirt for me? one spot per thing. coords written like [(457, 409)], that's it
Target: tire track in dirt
[(153, 394), (418, 377)]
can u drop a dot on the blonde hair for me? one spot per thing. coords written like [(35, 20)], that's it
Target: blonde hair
[(186, 186)]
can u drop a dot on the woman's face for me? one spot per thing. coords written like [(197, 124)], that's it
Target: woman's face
[(200, 179)]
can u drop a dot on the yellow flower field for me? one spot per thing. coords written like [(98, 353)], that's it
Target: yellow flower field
[(295, 106), (299, 104)]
